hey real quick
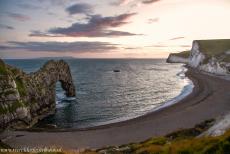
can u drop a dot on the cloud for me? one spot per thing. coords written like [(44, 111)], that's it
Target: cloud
[(185, 46), (169, 46), (74, 47), (3, 26), (97, 26), (80, 8), (18, 16), (121, 2), (52, 14), (28, 6), (36, 33), (152, 20), (132, 48), (2, 47), (177, 38), (137, 3), (150, 1), (55, 2), (159, 46)]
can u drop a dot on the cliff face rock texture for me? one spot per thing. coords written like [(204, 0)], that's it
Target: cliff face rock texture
[(212, 56), (26, 98), (182, 57), (176, 59), (220, 127)]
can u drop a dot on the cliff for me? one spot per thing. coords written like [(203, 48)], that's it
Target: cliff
[(221, 125), (212, 56), (182, 57), (26, 98)]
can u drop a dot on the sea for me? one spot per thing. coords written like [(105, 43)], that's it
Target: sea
[(104, 96)]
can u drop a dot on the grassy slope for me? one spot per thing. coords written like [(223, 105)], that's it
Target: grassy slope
[(5, 73), (183, 54), (211, 48), (216, 48), (3, 70), (227, 59), (205, 145), (180, 142)]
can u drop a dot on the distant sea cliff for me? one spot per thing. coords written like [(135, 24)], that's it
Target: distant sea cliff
[(211, 56)]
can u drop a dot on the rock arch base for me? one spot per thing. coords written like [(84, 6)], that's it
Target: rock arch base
[(26, 98)]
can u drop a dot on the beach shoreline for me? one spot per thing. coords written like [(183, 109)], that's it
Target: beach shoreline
[(198, 106), (167, 103)]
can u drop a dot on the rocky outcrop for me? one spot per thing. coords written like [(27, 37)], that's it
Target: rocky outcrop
[(211, 56), (26, 98), (210, 61), (220, 127), (176, 59)]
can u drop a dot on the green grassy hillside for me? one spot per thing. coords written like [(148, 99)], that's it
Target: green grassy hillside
[(211, 48), (183, 54), (214, 47), (180, 142), (183, 141)]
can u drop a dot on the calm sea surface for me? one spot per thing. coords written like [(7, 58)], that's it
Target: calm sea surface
[(104, 96)]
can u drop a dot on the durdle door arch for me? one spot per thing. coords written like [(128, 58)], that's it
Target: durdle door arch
[(26, 98)]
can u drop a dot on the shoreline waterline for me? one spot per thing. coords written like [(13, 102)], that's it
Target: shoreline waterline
[(103, 96), (185, 92), (209, 99)]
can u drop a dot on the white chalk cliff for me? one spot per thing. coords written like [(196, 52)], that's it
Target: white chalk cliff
[(220, 127), (176, 59), (205, 62), (212, 65)]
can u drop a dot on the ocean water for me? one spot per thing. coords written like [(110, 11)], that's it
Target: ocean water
[(104, 96)]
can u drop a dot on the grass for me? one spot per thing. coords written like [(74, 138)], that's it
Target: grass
[(176, 142), (183, 54), (185, 145), (16, 105), (20, 86), (211, 48), (12, 108), (19, 82), (179, 142), (227, 59), (191, 132), (8, 92), (15, 71), (4, 146), (3, 110), (3, 70), (214, 47)]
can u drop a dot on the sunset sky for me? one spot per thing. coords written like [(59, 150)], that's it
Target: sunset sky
[(108, 28)]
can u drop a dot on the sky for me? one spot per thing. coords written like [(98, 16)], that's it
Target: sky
[(108, 28)]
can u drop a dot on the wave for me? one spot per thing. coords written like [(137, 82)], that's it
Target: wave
[(61, 99), (187, 89)]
